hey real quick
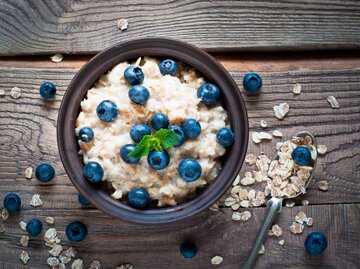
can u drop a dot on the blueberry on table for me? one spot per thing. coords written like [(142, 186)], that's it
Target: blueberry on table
[(47, 90), (188, 250), (301, 155), (124, 152), (315, 243), (76, 231), (138, 131), (208, 93), (192, 128), (180, 133), (12, 202), (44, 172), (225, 137), (139, 198), (139, 94), (93, 172), (252, 83), (82, 200), (86, 134), (158, 159), (34, 227), (107, 111), (159, 120), (168, 67), (133, 75), (189, 170)]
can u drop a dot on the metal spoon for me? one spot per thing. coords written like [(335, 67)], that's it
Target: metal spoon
[(274, 207)]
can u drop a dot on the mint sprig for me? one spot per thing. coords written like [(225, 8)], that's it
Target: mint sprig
[(161, 139)]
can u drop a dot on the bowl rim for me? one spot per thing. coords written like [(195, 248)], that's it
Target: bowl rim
[(101, 63)]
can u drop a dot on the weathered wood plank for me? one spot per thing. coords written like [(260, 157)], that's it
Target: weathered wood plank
[(114, 242), (39, 27), (28, 134)]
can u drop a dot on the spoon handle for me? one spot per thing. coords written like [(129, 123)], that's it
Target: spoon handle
[(274, 207)]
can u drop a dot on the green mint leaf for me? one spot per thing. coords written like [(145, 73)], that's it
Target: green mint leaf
[(143, 148), (168, 138)]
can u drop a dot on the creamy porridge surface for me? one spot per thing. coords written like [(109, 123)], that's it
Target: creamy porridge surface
[(175, 96)]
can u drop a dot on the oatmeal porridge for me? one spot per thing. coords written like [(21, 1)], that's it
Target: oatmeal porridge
[(173, 95)]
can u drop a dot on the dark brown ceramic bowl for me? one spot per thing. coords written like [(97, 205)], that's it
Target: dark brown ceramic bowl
[(156, 47)]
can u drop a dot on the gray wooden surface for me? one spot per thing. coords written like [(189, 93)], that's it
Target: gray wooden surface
[(43, 27), (28, 137)]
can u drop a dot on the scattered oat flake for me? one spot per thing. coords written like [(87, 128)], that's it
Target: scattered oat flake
[(305, 202), (2, 93), (250, 158), (309, 222), (77, 264), (71, 252), (251, 194), (281, 242), (296, 228), (262, 249), (265, 135), (281, 110), (235, 206), (246, 215), (255, 136), (4, 214), (277, 133), (122, 24), (263, 124), (300, 217), (22, 225), (53, 261), (322, 149), (60, 266), (244, 203), (323, 185), (236, 180), (28, 172), (50, 220), (95, 264), (229, 201), (216, 260), (24, 257), (36, 201), (333, 102), (56, 58), (56, 250), (64, 259), (275, 230), (24, 241), (247, 181), (125, 266), (214, 207), (297, 88), (15, 93), (2, 228)]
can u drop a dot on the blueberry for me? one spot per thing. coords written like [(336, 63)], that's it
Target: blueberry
[(107, 111), (208, 93), (139, 198), (44, 172), (159, 120), (188, 250), (76, 231), (315, 243), (82, 200), (189, 170), (180, 133), (47, 90), (252, 83), (225, 137), (93, 172), (139, 94), (158, 159), (12, 202), (138, 131), (301, 155), (34, 227), (133, 75), (192, 128), (86, 134), (168, 67), (125, 150)]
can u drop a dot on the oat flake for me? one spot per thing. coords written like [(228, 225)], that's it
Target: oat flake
[(296, 228), (300, 217), (2, 93), (56, 250), (53, 261), (77, 264), (22, 225), (71, 252), (216, 260), (281, 242), (125, 266), (263, 124), (122, 24), (15, 93), (56, 58), (305, 202), (255, 136), (36, 201), (297, 89), (277, 133), (215, 207), (24, 257), (24, 241), (2, 228), (4, 214), (281, 110), (321, 149), (250, 158), (236, 181), (333, 102), (309, 222), (95, 264), (323, 185), (28, 172), (50, 220), (275, 230), (262, 249)]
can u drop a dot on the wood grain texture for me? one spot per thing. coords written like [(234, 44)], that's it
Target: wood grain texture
[(28, 137), (114, 242), (40, 27)]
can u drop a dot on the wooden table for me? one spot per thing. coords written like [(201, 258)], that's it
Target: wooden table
[(321, 38)]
